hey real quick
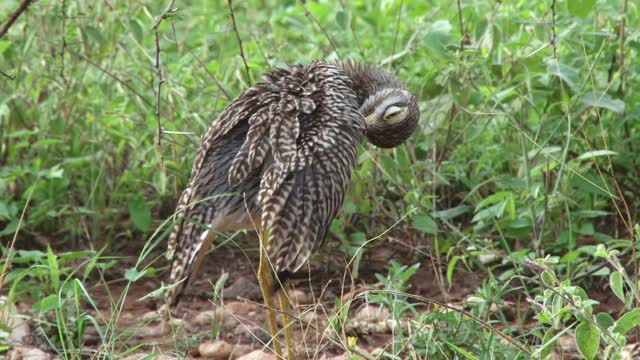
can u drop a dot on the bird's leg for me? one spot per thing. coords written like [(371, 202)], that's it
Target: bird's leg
[(286, 319), (265, 278)]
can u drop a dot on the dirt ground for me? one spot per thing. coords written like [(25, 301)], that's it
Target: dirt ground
[(203, 327)]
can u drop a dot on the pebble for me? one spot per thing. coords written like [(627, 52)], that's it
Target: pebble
[(20, 330), (257, 355), (28, 353), (244, 287), (215, 350)]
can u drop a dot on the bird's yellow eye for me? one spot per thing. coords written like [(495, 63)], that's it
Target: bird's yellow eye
[(392, 113)]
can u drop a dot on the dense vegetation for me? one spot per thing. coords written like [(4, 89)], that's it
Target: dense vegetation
[(526, 153)]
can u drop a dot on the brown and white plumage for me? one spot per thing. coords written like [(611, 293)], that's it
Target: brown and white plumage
[(286, 148)]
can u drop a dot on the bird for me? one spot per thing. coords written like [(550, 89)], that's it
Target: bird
[(279, 159)]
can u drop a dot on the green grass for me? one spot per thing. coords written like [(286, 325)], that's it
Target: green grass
[(525, 149)]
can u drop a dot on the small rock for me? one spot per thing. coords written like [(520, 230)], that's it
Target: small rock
[(257, 355), (244, 287), (152, 330), (373, 313), (27, 353), (252, 332), (487, 259), (138, 356), (151, 316), (240, 350), (9, 315), (298, 297), (215, 350)]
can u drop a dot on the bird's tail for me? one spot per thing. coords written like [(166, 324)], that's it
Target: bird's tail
[(185, 242)]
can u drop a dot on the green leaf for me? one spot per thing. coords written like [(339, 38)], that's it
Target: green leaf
[(580, 8), (451, 267), (604, 320), (46, 304), (604, 101), (94, 34), (133, 274), (425, 224), (615, 281), (565, 72), (596, 153), (627, 322), (136, 29), (548, 278), (4, 45), (342, 18), (588, 339), (140, 212), (54, 270)]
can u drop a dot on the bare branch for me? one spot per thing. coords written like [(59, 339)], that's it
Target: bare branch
[(64, 40), (7, 75), (461, 22), (235, 29), (16, 14), (553, 30), (167, 12)]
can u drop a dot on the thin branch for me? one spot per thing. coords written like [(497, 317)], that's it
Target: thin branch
[(553, 30), (16, 14), (7, 75), (64, 39), (167, 12), (235, 30), (621, 36), (461, 21), (218, 84), (621, 91)]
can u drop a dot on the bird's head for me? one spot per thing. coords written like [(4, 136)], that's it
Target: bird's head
[(391, 116)]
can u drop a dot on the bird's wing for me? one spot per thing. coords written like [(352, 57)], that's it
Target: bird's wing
[(246, 106), (306, 144)]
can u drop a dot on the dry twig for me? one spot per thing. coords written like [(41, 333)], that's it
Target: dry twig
[(168, 11), (235, 30), (16, 14)]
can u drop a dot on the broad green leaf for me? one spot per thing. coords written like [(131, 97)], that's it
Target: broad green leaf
[(604, 101), (342, 18), (627, 322), (604, 320), (140, 212), (615, 281), (588, 339), (565, 72), (94, 34), (425, 224)]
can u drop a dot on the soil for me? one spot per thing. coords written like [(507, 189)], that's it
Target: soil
[(240, 315)]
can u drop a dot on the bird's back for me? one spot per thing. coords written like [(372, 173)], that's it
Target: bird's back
[(283, 152)]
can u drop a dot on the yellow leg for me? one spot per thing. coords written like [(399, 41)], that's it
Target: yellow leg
[(265, 278), (286, 320)]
